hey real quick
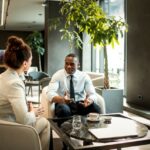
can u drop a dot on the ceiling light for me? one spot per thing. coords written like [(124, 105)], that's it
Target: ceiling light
[(2, 12)]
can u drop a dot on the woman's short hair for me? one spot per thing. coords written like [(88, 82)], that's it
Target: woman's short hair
[(17, 51)]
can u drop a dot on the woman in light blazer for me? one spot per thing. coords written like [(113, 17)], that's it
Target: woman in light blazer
[(13, 106)]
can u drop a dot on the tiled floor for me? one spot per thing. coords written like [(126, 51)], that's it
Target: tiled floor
[(34, 96), (136, 117)]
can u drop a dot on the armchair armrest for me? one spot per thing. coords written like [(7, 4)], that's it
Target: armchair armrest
[(48, 106), (18, 137), (101, 103)]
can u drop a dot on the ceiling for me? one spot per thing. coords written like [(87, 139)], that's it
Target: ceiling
[(23, 15)]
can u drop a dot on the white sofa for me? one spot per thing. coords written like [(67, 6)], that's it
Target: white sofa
[(14, 136)]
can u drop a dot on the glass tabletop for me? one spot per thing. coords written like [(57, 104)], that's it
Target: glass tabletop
[(118, 124)]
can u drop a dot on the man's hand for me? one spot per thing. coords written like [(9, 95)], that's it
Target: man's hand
[(87, 102), (62, 99), (66, 99)]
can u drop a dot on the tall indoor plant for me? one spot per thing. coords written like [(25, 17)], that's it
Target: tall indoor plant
[(85, 16), (36, 42)]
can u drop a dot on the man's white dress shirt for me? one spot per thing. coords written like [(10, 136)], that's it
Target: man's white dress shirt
[(59, 85)]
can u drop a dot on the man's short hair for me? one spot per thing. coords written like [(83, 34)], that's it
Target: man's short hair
[(72, 55)]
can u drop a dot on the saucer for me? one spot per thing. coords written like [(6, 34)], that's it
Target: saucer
[(92, 120)]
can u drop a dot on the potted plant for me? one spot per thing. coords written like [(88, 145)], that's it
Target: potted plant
[(85, 16), (36, 42)]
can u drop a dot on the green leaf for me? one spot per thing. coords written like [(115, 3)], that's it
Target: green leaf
[(35, 41), (86, 16)]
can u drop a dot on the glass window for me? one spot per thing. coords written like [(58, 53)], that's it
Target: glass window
[(116, 54)]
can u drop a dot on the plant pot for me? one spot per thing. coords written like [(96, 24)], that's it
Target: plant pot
[(113, 99)]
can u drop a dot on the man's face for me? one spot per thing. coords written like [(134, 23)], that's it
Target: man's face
[(71, 64)]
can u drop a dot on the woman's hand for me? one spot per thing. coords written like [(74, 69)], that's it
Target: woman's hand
[(38, 111)]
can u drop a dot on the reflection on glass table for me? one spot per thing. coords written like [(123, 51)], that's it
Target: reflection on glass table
[(120, 131)]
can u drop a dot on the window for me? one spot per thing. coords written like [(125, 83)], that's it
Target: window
[(116, 54)]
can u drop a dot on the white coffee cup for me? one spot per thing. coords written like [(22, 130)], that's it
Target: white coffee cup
[(93, 116), (107, 119)]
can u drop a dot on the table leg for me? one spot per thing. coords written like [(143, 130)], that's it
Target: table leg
[(30, 88), (85, 143), (51, 139), (39, 94)]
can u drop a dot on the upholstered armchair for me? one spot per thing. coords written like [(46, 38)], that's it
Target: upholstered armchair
[(14, 136), (97, 80), (50, 107)]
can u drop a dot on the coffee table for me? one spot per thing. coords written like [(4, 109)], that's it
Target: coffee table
[(63, 128)]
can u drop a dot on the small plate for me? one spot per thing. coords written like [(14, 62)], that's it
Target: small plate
[(92, 120)]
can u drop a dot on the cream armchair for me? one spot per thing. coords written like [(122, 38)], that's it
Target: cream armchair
[(97, 78), (50, 107), (14, 136)]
